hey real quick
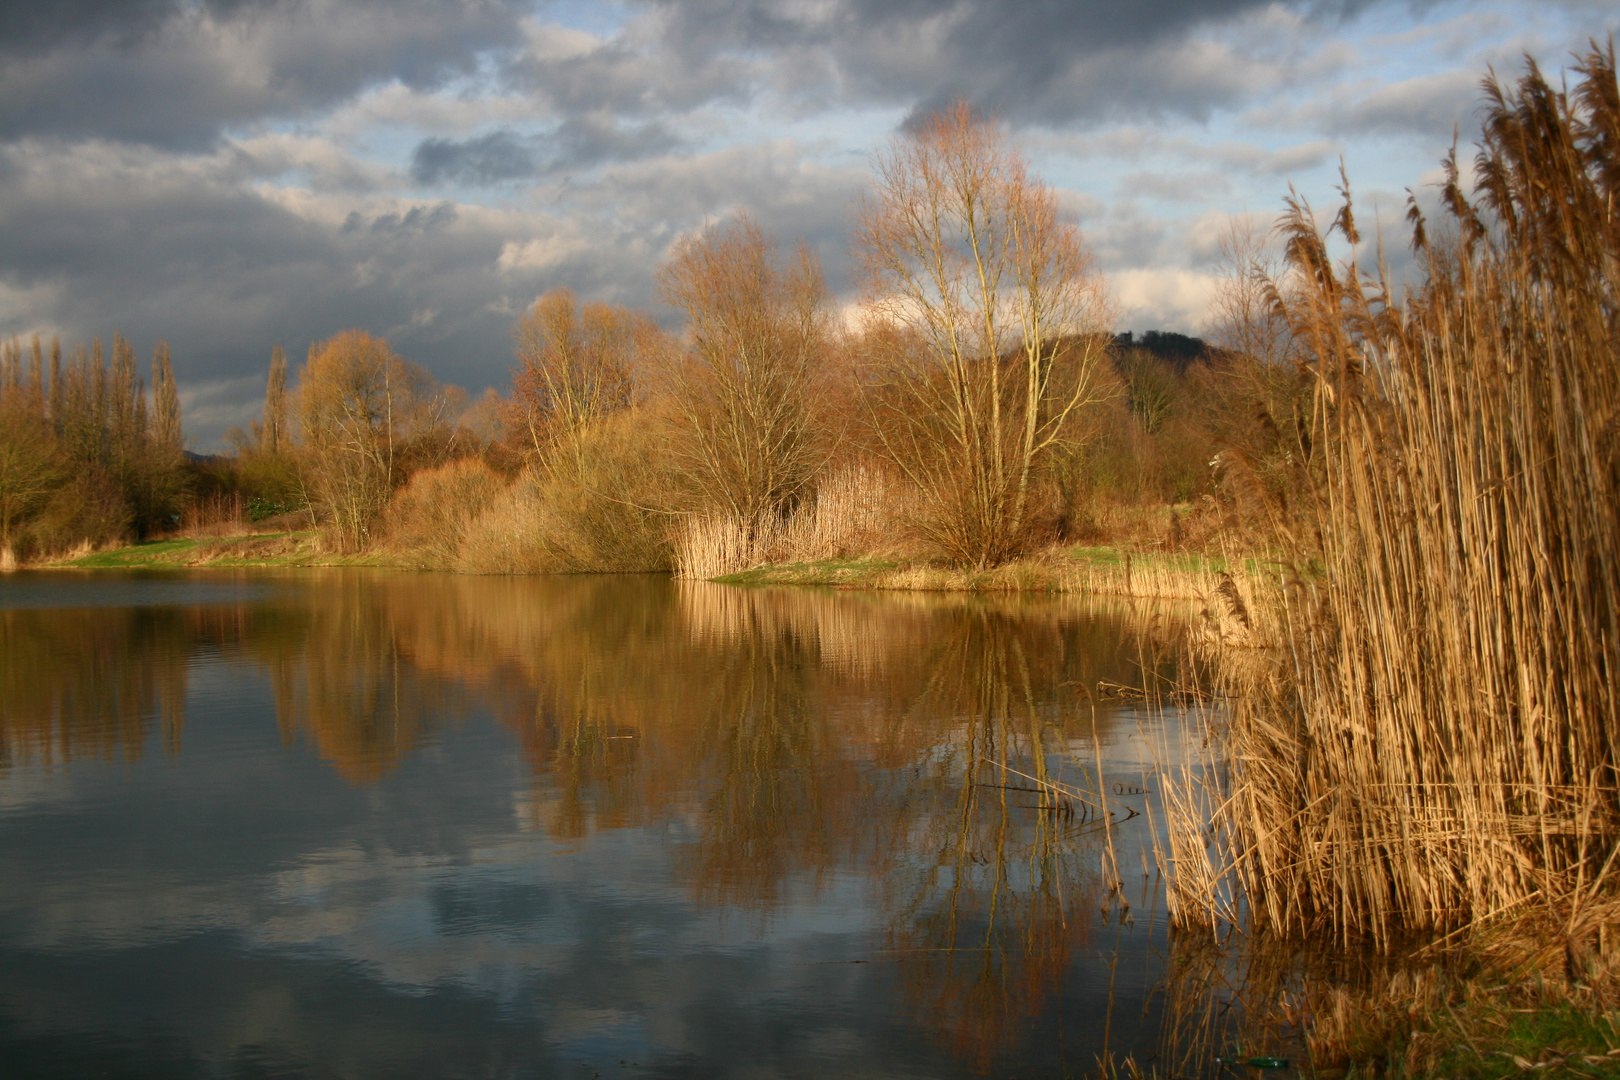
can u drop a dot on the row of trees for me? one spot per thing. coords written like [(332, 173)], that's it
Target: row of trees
[(976, 381), (85, 453), (979, 349), (978, 377)]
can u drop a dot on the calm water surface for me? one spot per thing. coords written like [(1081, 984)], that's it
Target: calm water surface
[(343, 824)]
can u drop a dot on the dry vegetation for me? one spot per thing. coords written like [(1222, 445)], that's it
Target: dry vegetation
[(1430, 481), (976, 414), (1430, 762)]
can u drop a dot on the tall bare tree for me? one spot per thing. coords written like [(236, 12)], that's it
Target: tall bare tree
[(574, 369), (166, 433), (57, 387), (1246, 317), (123, 392), (275, 440), (757, 325), (359, 407), (1001, 316)]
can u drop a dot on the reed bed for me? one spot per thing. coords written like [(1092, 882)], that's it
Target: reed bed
[(220, 514), (1434, 750), (856, 509)]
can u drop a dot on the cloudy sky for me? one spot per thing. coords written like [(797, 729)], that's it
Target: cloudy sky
[(233, 174)]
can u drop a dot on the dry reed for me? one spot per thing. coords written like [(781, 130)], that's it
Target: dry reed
[(221, 514), (1436, 746), (856, 509)]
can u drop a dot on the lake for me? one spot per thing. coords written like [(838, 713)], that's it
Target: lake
[(370, 824)]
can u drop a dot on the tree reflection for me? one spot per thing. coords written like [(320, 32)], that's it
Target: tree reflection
[(89, 683), (942, 748), (342, 678)]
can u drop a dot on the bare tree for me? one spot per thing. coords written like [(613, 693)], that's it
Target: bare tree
[(29, 468), (274, 433), (1002, 319), (166, 434), (359, 407), (1246, 318), (574, 369), (757, 325), (57, 388)]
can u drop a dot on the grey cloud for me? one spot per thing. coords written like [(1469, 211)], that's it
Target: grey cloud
[(488, 159), (176, 73), (183, 248), (643, 72), (578, 143), (416, 221), (1176, 186), (1428, 106), (1045, 61), (30, 25), (594, 138), (192, 71)]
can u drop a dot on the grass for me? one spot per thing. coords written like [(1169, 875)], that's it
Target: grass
[(1494, 1042), (260, 549), (1103, 570), (846, 573), (1481, 1032)]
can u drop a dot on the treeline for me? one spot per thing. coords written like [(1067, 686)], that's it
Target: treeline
[(86, 455), (975, 407), (979, 407)]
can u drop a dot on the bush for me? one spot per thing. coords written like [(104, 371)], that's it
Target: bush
[(431, 516)]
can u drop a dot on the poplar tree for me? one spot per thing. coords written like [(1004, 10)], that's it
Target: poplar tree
[(166, 431), (275, 404), (36, 376), (56, 386), (123, 393)]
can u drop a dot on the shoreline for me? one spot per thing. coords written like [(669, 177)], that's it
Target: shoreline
[(278, 549), (1086, 569)]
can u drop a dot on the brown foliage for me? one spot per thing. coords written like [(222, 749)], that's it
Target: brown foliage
[(744, 433), (431, 516), (575, 367), (364, 413)]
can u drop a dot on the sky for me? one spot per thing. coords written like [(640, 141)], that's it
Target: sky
[(229, 175)]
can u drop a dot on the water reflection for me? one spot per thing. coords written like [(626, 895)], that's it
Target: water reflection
[(87, 683), (911, 780)]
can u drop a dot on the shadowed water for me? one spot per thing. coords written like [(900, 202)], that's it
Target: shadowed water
[(363, 824)]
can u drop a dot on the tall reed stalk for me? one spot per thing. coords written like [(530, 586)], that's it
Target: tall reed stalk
[(1438, 745)]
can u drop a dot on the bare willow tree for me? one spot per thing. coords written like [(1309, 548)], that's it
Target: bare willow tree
[(360, 406), (745, 436), (999, 317), (574, 370)]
